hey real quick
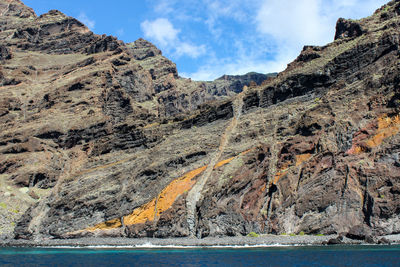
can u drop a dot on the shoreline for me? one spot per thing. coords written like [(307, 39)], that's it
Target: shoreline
[(192, 243)]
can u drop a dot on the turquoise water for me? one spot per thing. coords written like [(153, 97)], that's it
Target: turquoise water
[(273, 256)]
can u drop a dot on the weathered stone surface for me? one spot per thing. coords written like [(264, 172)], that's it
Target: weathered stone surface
[(335, 241), (142, 49), (347, 29), (384, 241), (5, 53), (235, 83), (358, 232), (111, 141)]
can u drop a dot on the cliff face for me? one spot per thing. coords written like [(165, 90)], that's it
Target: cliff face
[(104, 138)]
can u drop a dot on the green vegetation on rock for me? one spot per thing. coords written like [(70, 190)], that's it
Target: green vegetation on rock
[(253, 234)]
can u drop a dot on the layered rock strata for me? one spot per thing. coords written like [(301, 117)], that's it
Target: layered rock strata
[(110, 141)]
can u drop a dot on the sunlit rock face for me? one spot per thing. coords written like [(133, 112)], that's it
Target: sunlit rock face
[(103, 138)]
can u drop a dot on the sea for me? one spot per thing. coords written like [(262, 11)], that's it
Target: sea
[(210, 256)]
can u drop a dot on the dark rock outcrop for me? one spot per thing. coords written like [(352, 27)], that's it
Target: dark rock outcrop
[(335, 241), (359, 232), (236, 83), (102, 138), (5, 53), (142, 49), (347, 29)]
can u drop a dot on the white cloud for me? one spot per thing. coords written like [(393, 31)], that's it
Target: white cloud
[(293, 24), (308, 21), (190, 50), (253, 35), (217, 10), (238, 65), (292, 21), (85, 20), (164, 7), (120, 32), (236, 9), (161, 30), (355, 9), (211, 72)]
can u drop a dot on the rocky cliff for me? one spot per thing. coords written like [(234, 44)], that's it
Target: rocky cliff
[(102, 138)]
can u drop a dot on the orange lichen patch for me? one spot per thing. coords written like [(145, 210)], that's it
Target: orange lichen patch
[(263, 188), (151, 125), (282, 172), (156, 206), (164, 200), (355, 150), (278, 176), (142, 214), (387, 127), (302, 158), (168, 196), (246, 152), (226, 161), (223, 162), (112, 224)]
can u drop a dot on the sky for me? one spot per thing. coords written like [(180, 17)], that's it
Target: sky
[(209, 38)]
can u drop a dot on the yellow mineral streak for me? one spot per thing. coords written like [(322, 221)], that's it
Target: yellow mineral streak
[(278, 176), (284, 170), (141, 214), (161, 203), (112, 224), (302, 158), (222, 163), (387, 127), (263, 188), (164, 200), (151, 125)]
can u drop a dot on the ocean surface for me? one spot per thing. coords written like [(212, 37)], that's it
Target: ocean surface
[(261, 256)]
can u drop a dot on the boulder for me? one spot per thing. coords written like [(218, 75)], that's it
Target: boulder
[(335, 241), (359, 232)]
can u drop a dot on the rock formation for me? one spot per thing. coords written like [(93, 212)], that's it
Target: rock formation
[(103, 138)]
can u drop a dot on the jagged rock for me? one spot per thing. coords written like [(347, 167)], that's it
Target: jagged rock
[(5, 53), (16, 8), (308, 53), (119, 140), (369, 239), (106, 43), (347, 29), (235, 83), (142, 49)]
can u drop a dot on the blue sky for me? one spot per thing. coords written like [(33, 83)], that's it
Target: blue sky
[(209, 38)]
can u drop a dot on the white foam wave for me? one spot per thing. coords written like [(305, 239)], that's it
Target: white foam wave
[(149, 245)]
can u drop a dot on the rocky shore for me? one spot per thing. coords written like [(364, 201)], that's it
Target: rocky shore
[(265, 240)]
